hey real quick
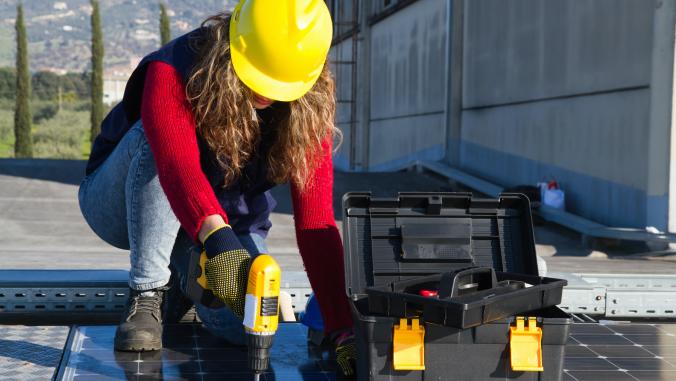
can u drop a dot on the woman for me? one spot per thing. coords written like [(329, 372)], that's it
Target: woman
[(208, 124)]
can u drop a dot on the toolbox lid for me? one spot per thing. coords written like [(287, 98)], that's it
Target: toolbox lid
[(416, 234)]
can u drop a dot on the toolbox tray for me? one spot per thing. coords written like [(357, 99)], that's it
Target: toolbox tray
[(467, 297)]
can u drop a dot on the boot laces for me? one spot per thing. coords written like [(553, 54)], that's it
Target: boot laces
[(147, 304)]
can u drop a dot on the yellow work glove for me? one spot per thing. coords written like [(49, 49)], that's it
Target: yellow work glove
[(227, 268), (346, 352)]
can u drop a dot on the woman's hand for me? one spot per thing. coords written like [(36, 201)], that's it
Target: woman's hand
[(346, 351), (209, 225), (227, 267)]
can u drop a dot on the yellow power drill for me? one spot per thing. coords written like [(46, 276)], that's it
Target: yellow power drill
[(261, 309)]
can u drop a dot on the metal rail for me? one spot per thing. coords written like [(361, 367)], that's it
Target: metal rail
[(620, 295), (72, 296), (85, 295)]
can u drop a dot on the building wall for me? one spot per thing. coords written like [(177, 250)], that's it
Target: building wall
[(561, 89), (593, 146), (342, 52), (407, 90), (579, 91), (525, 50), (406, 75)]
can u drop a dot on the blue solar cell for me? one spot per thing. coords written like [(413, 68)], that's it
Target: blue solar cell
[(192, 353), (595, 352)]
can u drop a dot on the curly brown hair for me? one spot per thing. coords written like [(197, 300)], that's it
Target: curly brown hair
[(224, 112)]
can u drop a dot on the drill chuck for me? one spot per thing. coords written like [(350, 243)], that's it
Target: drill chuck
[(259, 351)]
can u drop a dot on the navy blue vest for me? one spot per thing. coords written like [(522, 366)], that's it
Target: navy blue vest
[(247, 202)]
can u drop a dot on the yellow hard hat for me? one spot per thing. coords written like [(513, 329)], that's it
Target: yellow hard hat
[(278, 47)]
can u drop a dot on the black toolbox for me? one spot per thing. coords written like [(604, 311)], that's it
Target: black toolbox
[(401, 239)]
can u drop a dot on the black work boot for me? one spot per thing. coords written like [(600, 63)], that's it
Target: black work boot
[(141, 326)]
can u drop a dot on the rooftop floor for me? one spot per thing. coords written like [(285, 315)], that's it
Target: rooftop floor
[(43, 227)]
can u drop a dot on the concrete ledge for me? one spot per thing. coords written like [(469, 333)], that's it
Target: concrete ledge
[(569, 220), (463, 178)]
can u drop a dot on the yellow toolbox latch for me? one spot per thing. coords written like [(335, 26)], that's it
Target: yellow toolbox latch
[(409, 345), (525, 346)]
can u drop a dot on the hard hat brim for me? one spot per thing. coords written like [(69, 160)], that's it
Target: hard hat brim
[(265, 85)]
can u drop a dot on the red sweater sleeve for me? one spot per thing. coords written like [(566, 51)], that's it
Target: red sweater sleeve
[(170, 128), (320, 244), (313, 206)]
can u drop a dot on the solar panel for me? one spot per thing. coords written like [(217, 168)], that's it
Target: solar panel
[(644, 352), (191, 353)]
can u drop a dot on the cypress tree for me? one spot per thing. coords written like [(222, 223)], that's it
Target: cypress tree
[(165, 28), (97, 71), (23, 145)]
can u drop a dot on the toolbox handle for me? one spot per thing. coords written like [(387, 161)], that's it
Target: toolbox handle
[(465, 281)]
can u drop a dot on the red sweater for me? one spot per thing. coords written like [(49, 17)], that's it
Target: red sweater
[(171, 132)]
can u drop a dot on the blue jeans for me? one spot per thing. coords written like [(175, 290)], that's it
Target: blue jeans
[(124, 204)]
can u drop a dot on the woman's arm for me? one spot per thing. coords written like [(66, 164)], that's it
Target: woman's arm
[(170, 128), (171, 132), (320, 244)]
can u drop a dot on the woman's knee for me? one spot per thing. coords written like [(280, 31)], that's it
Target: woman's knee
[(102, 195), (109, 231)]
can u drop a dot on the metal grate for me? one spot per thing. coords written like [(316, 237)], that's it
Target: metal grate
[(30, 353)]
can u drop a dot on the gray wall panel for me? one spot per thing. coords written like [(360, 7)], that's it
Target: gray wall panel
[(407, 61), (343, 76), (590, 197), (342, 156), (521, 50), (602, 136), (396, 139)]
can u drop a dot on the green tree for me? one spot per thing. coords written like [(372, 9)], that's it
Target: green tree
[(7, 83), (78, 84), (23, 144), (97, 71), (45, 85), (165, 26)]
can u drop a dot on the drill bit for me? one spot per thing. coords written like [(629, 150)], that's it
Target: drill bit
[(257, 376)]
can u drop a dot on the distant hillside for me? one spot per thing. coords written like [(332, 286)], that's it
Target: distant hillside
[(59, 31)]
